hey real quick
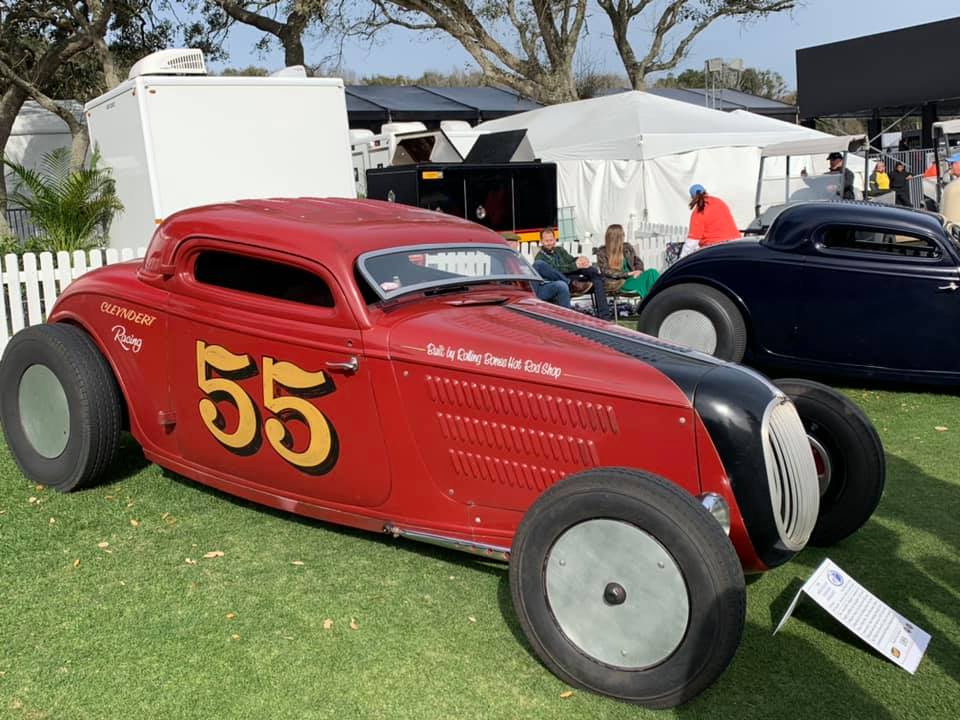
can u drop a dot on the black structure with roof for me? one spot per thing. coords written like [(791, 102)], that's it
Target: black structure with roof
[(369, 106), (904, 72)]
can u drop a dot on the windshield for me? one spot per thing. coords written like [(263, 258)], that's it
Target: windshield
[(426, 267), (809, 178)]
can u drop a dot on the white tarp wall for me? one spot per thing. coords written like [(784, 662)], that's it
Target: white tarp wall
[(634, 153), (35, 132)]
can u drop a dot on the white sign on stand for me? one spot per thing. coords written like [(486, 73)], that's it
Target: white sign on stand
[(862, 612)]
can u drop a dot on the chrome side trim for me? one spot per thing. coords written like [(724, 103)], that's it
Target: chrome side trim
[(494, 552)]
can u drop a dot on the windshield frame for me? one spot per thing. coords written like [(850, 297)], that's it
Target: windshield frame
[(437, 284)]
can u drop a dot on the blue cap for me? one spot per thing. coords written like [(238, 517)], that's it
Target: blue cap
[(954, 158), (697, 188)]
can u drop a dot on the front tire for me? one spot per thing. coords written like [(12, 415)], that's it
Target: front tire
[(696, 316), (626, 586), (849, 457), (60, 406)]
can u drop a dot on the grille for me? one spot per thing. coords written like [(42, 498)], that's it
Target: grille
[(791, 472)]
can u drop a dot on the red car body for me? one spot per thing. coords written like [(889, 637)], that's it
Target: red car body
[(461, 410)]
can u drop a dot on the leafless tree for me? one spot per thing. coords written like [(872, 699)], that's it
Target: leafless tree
[(674, 25), (526, 45)]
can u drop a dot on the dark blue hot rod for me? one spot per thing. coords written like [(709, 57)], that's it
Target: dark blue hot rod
[(838, 288)]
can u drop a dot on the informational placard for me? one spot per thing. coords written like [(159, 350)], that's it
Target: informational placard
[(863, 613)]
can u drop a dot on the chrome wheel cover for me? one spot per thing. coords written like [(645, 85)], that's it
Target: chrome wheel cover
[(617, 594), (690, 328), (821, 459), (44, 412)]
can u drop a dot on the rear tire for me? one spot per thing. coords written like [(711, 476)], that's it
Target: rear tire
[(626, 586), (696, 316), (849, 456), (60, 406)]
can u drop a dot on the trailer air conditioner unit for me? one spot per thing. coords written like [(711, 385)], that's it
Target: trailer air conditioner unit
[(185, 61)]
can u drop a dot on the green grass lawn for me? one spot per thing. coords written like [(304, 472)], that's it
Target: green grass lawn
[(134, 629)]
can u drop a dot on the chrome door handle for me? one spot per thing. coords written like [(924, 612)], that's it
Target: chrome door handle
[(351, 365), (952, 287)]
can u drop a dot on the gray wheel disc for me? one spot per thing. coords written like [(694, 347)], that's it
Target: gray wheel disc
[(690, 328), (44, 412), (617, 594)]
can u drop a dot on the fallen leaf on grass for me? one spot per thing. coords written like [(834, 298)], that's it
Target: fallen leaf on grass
[(213, 554), (39, 488), (130, 504), (110, 497), (471, 618), (76, 563), (353, 624), (168, 519), (103, 545), (940, 428), (566, 693), (234, 637), (231, 615), (287, 637), (297, 562), (3, 512), (52, 521), (327, 624), (188, 561), (134, 523), (31, 500)]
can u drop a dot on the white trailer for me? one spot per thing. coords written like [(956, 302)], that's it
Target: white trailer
[(178, 141)]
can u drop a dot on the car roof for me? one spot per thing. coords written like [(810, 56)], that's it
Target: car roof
[(802, 217), (319, 228)]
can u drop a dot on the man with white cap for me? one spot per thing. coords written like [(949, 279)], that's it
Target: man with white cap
[(950, 202)]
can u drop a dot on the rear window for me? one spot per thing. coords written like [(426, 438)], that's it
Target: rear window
[(875, 242), (257, 276)]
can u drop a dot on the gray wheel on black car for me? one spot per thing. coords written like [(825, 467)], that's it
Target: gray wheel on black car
[(59, 406), (625, 585), (849, 456), (696, 316)]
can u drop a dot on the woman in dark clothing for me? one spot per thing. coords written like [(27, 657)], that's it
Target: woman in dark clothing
[(899, 183)]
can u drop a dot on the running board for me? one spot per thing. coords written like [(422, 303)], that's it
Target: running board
[(474, 548)]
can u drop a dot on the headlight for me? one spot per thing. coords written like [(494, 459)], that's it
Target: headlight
[(717, 506)]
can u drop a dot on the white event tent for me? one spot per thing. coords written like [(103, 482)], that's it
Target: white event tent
[(36, 131), (637, 154)]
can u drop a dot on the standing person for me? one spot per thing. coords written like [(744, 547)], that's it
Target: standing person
[(836, 165), (950, 200), (621, 268), (900, 183), (711, 221), (879, 180), (572, 268)]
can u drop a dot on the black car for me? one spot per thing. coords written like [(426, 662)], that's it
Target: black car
[(837, 288)]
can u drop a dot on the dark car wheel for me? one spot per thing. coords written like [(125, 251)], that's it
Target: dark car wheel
[(699, 317), (849, 457), (60, 406), (625, 585)]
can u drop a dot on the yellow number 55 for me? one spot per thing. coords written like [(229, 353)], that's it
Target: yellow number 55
[(322, 447)]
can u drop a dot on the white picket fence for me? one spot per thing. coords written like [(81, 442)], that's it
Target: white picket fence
[(30, 284)]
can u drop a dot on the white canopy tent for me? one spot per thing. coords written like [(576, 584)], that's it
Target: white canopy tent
[(637, 154)]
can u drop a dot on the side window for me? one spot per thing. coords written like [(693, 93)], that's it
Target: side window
[(875, 242), (261, 277)]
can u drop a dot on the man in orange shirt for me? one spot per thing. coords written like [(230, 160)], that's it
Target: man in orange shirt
[(711, 221)]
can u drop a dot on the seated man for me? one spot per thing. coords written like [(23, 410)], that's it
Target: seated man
[(554, 288), (571, 268)]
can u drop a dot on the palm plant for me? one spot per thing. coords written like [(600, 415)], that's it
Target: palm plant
[(71, 209)]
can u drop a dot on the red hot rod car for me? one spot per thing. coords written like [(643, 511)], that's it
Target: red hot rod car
[(388, 368)]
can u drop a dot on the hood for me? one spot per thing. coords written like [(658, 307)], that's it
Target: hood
[(542, 343)]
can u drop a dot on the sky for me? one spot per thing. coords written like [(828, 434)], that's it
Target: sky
[(770, 43)]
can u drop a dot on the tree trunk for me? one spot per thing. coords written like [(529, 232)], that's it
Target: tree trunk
[(10, 105), (78, 148)]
